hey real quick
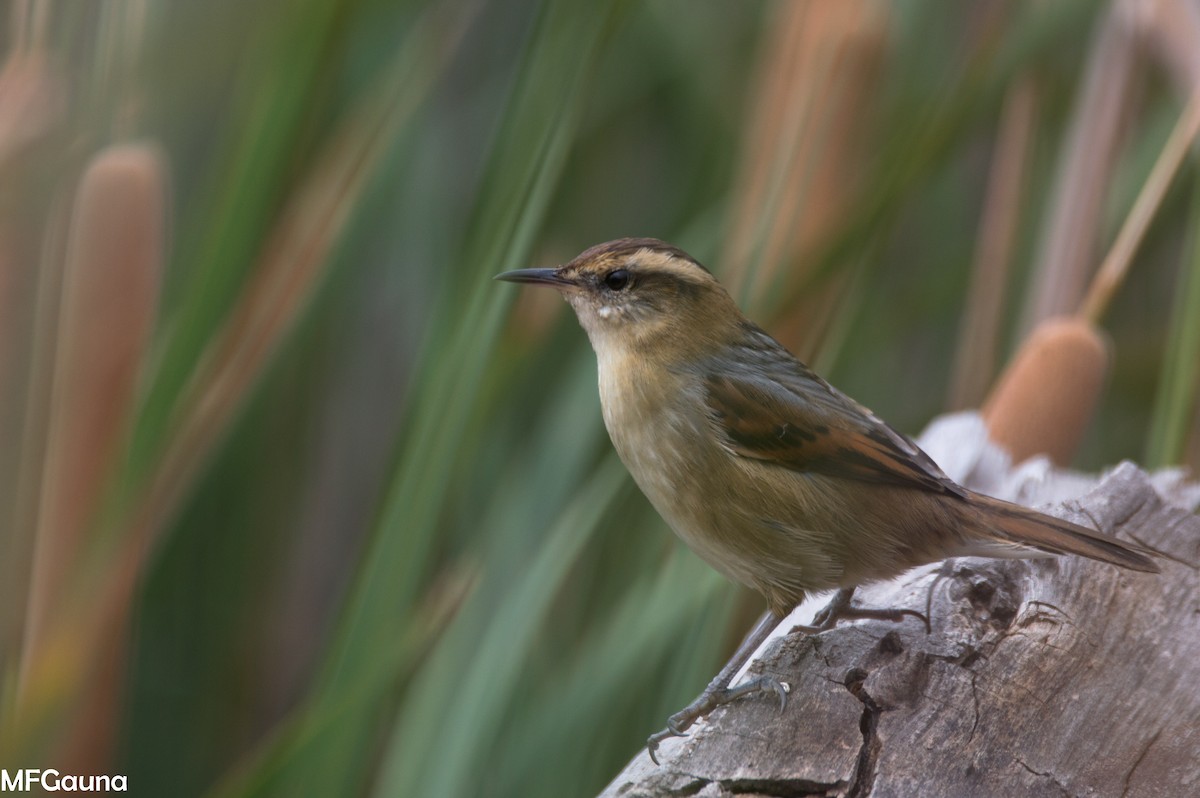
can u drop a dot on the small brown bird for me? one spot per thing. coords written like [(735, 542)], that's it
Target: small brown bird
[(766, 471)]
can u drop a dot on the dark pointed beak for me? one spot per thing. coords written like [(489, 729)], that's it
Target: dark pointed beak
[(535, 276)]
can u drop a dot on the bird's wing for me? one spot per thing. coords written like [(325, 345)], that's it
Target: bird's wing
[(771, 407)]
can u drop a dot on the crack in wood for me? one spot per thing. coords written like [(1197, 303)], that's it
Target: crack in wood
[(1046, 775), (1038, 613), (974, 705), (693, 787), (863, 780), (1137, 762)]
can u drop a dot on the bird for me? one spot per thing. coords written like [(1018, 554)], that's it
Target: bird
[(771, 475)]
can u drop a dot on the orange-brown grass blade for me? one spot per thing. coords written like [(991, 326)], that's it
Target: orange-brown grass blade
[(802, 148), (1067, 253), (979, 333), (31, 106), (1116, 263), (25, 440)]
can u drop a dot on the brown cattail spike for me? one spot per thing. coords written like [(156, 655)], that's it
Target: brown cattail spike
[(109, 302), (1045, 399)]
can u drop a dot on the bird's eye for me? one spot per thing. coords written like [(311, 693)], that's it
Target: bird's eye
[(616, 279)]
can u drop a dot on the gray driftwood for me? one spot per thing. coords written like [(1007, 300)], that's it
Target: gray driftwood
[(1054, 677)]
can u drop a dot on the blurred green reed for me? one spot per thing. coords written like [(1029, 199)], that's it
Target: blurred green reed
[(365, 534), (1179, 384)]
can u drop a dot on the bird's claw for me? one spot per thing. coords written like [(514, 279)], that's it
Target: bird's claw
[(680, 722), (781, 689), (652, 742)]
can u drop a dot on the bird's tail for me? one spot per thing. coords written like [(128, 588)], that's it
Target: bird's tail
[(1011, 523)]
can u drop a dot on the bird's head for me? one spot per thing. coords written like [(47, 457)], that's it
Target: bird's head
[(638, 292)]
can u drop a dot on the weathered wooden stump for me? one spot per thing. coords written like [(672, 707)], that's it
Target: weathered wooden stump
[(1051, 677)]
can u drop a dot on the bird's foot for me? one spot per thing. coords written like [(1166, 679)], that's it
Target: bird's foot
[(840, 609), (710, 699)]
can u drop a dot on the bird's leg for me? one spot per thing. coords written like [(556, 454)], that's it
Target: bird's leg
[(719, 692), (839, 609)]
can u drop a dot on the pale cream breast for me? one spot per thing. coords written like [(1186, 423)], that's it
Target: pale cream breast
[(667, 449)]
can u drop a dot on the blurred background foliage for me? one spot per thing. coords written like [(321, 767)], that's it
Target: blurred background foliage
[(294, 500)]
